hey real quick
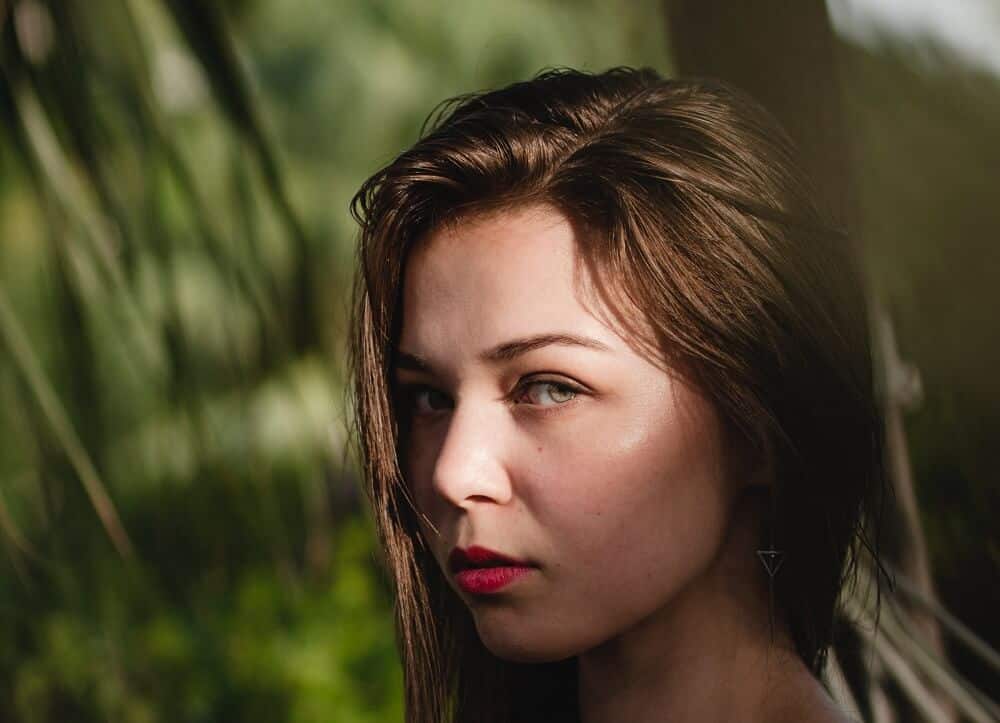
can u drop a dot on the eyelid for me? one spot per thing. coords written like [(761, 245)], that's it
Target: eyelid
[(559, 382)]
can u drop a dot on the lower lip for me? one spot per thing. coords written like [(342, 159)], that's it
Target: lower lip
[(483, 580)]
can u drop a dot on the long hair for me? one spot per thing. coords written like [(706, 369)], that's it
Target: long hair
[(695, 214)]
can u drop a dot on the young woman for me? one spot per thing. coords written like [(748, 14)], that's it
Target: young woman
[(614, 399)]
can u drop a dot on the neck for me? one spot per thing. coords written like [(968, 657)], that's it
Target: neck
[(708, 655)]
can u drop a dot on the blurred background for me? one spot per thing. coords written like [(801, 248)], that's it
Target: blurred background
[(183, 532)]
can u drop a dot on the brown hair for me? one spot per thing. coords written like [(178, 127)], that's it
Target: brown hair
[(695, 213)]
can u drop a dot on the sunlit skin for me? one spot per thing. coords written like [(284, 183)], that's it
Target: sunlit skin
[(610, 474)]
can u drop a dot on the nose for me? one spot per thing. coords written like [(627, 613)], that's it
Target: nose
[(470, 464)]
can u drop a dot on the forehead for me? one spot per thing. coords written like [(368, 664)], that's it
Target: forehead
[(506, 272)]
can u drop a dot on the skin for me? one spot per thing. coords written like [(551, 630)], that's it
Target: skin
[(608, 473)]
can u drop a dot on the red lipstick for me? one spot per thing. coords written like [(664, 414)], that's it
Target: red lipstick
[(479, 570)]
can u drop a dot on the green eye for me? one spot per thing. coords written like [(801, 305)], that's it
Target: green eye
[(557, 392)]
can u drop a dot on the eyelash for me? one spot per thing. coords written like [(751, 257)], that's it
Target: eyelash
[(410, 391)]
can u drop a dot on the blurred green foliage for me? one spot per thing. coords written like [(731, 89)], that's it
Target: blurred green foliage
[(183, 530)]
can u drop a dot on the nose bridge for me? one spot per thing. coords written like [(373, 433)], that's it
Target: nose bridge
[(470, 462)]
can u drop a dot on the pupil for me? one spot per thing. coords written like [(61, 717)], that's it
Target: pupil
[(558, 393)]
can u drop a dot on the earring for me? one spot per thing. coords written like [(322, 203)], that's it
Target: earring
[(771, 558)]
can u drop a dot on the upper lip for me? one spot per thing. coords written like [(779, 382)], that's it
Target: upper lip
[(476, 556)]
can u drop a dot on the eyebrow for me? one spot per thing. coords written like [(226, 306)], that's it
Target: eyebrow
[(507, 351)]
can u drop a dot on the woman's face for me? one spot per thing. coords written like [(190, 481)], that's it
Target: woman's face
[(584, 458)]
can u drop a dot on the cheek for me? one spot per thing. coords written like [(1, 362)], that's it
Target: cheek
[(628, 511), (634, 510)]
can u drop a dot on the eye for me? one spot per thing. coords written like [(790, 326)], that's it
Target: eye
[(557, 392), (421, 399)]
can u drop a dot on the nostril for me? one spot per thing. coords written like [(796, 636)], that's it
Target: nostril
[(479, 498)]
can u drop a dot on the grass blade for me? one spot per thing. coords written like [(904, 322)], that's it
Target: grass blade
[(26, 360)]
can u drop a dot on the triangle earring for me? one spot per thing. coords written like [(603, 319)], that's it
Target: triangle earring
[(772, 559)]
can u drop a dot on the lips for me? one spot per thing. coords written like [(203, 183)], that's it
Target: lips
[(480, 571), (478, 557)]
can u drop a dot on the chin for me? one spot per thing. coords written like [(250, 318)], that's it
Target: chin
[(523, 646)]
